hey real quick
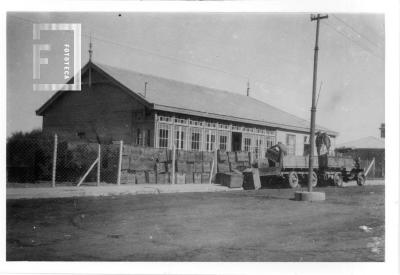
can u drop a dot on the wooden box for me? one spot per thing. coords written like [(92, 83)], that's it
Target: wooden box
[(208, 156), (141, 164), (180, 166), (205, 178), (169, 167), (162, 155), (163, 178), (223, 167), (242, 156), (207, 167), (190, 156), (198, 167), (222, 156), (251, 180), (160, 167), (197, 178), (231, 157), (233, 180), (140, 177), (180, 178), (198, 156), (128, 178), (189, 178), (189, 169), (125, 163), (151, 177), (180, 155)]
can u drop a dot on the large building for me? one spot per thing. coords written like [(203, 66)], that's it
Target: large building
[(119, 104)]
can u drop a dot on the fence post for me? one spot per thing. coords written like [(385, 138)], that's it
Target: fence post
[(214, 163), (98, 164), (121, 145), (53, 178), (173, 164)]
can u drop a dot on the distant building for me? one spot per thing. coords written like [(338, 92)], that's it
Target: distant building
[(366, 149), (152, 111), (382, 129)]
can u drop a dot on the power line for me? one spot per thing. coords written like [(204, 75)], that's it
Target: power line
[(361, 35), (354, 41), (246, 77)]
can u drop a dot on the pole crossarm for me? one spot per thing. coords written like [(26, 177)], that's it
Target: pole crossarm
[(318, 17)]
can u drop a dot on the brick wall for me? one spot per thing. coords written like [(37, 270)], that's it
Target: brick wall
[(104, 110)]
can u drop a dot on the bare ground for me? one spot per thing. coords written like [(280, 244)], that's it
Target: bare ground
[(264, 225)]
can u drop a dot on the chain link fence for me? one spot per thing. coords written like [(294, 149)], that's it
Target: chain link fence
[(49, 160)]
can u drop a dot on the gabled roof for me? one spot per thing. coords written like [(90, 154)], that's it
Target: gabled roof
[(175, 96), (364, 143)]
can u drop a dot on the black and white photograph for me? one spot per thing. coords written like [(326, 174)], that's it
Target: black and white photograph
[(197, 136)]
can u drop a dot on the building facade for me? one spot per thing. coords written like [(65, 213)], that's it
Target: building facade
[(146, 110)]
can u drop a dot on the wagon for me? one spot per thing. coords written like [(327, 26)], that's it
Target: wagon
[(292, 171), (336, 170)]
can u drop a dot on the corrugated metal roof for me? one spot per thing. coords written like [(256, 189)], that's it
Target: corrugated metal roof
[(364, 143), (171, 95)]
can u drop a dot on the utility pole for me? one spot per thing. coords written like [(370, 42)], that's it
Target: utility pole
[(317, 17)]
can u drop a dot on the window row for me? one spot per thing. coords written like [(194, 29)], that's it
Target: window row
[(197, 139), (194, 139)]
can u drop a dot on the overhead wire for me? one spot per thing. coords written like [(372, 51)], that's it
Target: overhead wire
[(357, 32), (353, 41), (177, 60)]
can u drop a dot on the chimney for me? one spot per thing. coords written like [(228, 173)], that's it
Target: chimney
[(248, 88), (382, 128)]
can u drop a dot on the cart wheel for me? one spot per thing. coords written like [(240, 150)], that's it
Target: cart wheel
[(314, 179), (338, 179), (293, 180), (360, 179)]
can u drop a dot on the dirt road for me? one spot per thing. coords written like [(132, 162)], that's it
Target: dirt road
[(264, 225)]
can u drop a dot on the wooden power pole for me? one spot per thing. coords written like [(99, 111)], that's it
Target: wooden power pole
[(317, 17)]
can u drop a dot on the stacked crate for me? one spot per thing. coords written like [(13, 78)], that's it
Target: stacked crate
[(142, 165), (240, 162), (163, 166), (192, 167), (231, 165), (223, 162)]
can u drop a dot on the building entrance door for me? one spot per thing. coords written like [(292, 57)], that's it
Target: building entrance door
[(236, 141)]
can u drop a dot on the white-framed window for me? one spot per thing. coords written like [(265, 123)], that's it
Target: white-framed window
[(270, 141), (258, 146), (291, 144), (163, 138), (210, 140), (195, 140), (139, 137), (148, 137), (247, 144), (223, 142), (179, 138)]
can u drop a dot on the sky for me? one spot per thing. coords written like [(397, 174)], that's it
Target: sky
[(272, 51)]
